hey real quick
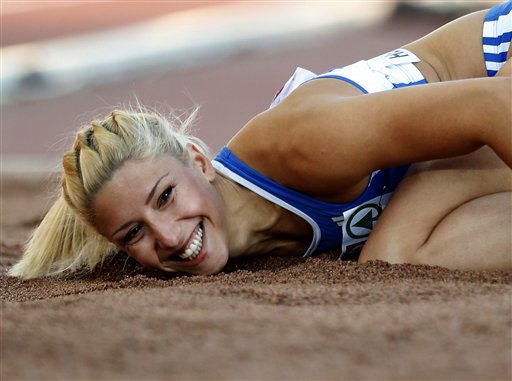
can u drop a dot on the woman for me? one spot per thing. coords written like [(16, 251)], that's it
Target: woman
[(313, 173)]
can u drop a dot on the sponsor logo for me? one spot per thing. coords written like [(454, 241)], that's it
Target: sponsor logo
[(360, 223)]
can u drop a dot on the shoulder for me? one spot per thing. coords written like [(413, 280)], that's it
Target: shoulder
[(454, 51), (275, 134), (263, 143), (286, 144)]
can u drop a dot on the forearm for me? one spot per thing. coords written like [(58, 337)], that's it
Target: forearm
[(483, 114), (498, 135), (443, 120)]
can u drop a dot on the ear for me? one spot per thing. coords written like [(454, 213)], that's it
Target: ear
[(198, 159)]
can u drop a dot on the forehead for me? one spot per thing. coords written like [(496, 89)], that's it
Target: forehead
[(138, 171), (135, 179)]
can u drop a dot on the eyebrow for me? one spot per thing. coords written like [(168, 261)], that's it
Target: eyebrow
[(148, 199), (121, 228), (153, 190)]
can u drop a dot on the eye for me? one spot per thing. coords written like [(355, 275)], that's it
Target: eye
[(166, 194), (131, 235)]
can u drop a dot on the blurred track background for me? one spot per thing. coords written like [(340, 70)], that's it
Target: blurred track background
[(66, 62)]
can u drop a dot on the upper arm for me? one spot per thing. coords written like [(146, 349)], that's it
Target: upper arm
[(455, 49), (320, 142)]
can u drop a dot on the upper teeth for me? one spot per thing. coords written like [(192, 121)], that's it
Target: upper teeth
[(192, 251)]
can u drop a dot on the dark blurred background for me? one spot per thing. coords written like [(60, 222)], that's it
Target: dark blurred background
[(64, 63)]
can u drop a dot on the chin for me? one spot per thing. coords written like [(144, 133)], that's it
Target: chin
[(210, 269), (211, 265)]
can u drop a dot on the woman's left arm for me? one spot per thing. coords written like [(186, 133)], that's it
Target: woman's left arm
[(340, 140), (433, 121)]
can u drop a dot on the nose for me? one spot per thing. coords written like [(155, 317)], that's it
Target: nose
[(167, 238)]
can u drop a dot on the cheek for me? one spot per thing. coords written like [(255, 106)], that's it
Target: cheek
[(146, 256), (215, 206), (206, 199), (209, 205)]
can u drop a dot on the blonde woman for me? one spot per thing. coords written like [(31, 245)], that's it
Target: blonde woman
[(330, 157)]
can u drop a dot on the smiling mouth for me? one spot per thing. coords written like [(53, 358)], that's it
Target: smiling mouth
[(194, 247)]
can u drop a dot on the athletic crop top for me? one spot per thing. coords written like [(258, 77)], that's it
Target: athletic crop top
[(332, 224), (497, 34), (348, 225), (335, 225)]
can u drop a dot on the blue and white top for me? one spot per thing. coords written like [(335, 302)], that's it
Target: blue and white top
[(348, 225), (335, 225), (497, 34)]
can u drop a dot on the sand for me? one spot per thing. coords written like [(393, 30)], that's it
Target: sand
[(267, 318)]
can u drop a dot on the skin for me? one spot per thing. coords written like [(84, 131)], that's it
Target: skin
[(458, 215), (453, 206), (168, 202), (460, 138)]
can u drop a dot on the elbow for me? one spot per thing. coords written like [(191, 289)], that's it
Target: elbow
[(498, 133)]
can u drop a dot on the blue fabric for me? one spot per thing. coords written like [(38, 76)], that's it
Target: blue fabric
[(499, 10), (336, 224), (399, 85), (321, 212), (499, 15)]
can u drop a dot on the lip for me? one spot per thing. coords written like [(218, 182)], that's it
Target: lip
[(201, 256)]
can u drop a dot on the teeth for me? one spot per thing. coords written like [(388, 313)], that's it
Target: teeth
[(192, 251)]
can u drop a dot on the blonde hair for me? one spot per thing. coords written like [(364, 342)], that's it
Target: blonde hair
[(66, 239)]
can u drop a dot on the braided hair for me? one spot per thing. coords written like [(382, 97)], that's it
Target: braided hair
[(66, 239)]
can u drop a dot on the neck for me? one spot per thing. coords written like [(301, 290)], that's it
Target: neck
[(256, 226)]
